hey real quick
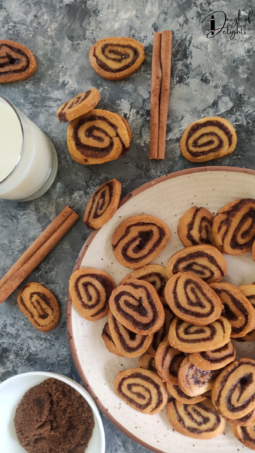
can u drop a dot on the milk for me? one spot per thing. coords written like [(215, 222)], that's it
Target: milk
[(28, 159)]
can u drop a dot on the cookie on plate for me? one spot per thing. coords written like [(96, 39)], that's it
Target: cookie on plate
[(195, 227)]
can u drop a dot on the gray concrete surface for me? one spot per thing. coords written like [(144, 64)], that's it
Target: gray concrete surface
[(210, 76)]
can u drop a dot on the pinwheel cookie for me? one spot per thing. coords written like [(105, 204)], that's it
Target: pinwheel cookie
[(234, 227), (137, 306), (108, 341), (168, 361), (116, 58), (195, 227), (90, 290), (152, 273), (16, 62), (103, 204), (207, 139), (39, 305), (246, 435), (159, 336), (139, 240), (192, 300), (215, 359), (141, 389), (189, 338), (199, 421), (78, 105), (193, 381), (98, 136), (205, 261), (147, 362)]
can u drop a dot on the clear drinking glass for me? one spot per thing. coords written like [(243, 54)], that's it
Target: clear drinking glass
[(28, 159)]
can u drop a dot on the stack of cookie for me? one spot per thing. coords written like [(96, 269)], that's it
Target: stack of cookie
[(180, 320)]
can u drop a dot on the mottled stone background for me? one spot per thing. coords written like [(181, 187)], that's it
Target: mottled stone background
[(209, 77)]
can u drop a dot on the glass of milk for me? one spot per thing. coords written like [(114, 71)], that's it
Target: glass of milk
[(28, 159)]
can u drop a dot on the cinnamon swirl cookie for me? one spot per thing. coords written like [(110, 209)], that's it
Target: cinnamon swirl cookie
[(128, 343), (152, 273), (39, 305), (246, 435), (179, 395), (79, 105), (116, 58), (195, 227), (16, 62), (207, 139), (215, 359), (234, 227), (141, 389), (199, 421), (205, 261), (147, 362), (103, 204), (249, 292), (237, 309), (168, 361), (90, 290), (108, 341), (194, 381), (192, 300), (137, 306), (139, 240), (189, 338), (98, 136), (233, 393), (159, 336)]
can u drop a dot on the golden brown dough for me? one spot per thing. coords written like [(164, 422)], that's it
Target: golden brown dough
[(116, 58), (207, 139), (168, 361), (16, 62), (152, 273), (139, 240), (195, 227), (103, 204), (147, 362), (108, 341), (215, 359), (193, 381), (78, 105)]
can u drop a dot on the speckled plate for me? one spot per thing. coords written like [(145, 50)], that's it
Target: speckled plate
[(167, 198)]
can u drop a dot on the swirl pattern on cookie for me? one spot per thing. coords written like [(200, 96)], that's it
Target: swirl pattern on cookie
[(147, 362), (152, 273), (233, 393), (39, 305), (207, 139), (215, 359), (244, 421), (98, 136), (189, 338), (249, 292), (128, 343), (137, 306), (199, 421), (192, 300), (177, 393), (139, 240), (194, 381), (141, 389), (205, 261), (108, 341), (237, 309), (103, 204), (116, 58), (168, 361), (159, 336), (246, 435), (16, 62), (90, 290), (195, 227), (234, 227), (78, 105)]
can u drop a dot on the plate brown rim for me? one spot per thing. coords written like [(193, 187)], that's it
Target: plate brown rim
[(77, 266)]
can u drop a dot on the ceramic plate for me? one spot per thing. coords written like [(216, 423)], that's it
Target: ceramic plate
[(167, 198)]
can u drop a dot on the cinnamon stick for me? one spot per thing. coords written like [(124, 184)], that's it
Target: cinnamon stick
[(155, 92), (165, 58), (37, 252)]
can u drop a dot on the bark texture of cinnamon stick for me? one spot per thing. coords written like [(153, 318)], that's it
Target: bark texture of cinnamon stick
[(155, 93), (37, 252), (165, 58)]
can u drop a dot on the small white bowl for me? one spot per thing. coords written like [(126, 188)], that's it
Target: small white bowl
[(11, 392)]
